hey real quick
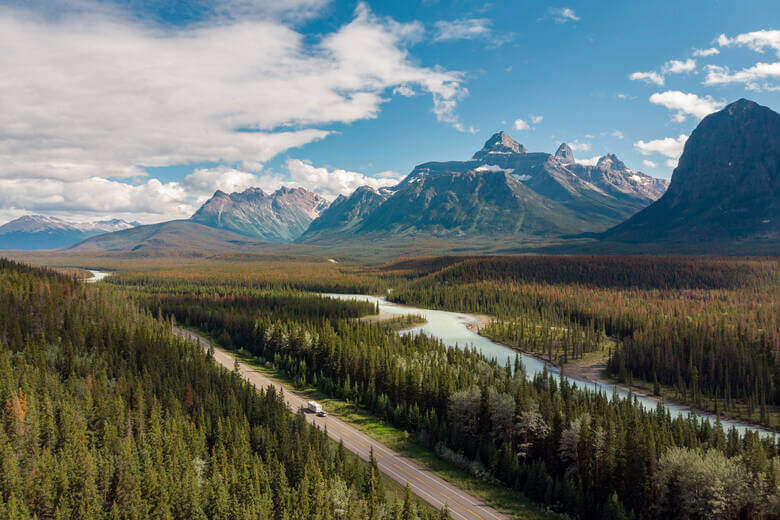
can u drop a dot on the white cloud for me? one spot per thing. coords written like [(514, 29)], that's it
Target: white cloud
[(521, 125), (579, 147), (685, 104), (758, 41), (536, 119), (647, 77), (671, 163), (669, 146), (115, 96), (91, 97), (752, 77), (648, 163), (331, 183), (564, 14), (706, 52), (588, 162), (95, 196), (462, 29), (678, 67), (208, 180), (615, 133), (404, 90)]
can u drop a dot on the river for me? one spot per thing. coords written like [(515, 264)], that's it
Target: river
[(452, 328), (96, 275)]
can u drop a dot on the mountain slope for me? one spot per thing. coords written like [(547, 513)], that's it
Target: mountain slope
[(37, 232), (176, 234), (281, 216), (502, 190), (345, 214), (726, 185)]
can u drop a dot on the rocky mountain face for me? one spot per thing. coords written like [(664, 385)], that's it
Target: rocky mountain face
[(281, 216), (32, 232), (504, 189), (347, 214), (613, 177), (726, 185)]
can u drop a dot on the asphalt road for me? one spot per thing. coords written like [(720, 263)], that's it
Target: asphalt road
[(422, 482)]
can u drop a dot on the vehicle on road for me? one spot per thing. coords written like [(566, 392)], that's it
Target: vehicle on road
[(314, 407), (322, 413)]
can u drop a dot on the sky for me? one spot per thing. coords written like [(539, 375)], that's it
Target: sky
[(141, 110)]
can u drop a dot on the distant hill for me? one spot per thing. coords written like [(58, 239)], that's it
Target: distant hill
[(281, 216), (503, 190), (176, 234), (38, 232), (724, 191)]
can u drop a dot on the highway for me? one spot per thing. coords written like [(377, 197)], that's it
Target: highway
[(422, 482)]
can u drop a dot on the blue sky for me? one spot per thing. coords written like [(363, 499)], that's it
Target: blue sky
[(118, 109)]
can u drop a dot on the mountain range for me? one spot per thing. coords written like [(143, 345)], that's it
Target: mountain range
[(503, 190), (33, 232), (725, 188)]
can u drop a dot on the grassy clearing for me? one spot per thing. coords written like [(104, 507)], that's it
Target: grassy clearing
[(503, 499)]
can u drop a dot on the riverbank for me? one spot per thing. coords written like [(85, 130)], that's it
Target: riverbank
[(592, 368)]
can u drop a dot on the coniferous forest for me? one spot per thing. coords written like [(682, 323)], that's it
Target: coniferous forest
[(106, 414), (706, 327), (576, 452)]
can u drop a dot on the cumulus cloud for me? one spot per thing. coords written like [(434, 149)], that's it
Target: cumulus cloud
[(331, 183), (91, 97), (579, 147), (648, 163), (678, 67), (685, 104), (647, 77), (754, 78), (758, 41), (668, 146), (563, 14), (671, 163), (96, 196), (617, 134), (116, 96), (520, 124), (536, 119), (706, 52)]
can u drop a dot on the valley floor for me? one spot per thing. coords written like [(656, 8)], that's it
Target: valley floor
[(426, 484)]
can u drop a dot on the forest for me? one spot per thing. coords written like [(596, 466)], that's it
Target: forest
[(707, 328), (589, 455), (104, 413)]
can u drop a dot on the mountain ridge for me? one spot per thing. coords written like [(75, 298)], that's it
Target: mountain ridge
[(726, 185), (39, 232), (503, 188), (281, 216)]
